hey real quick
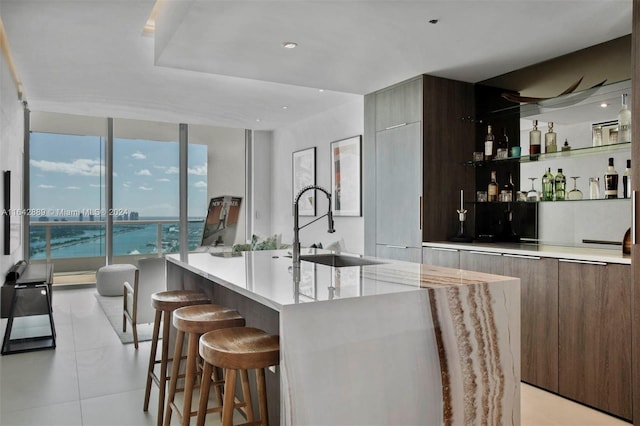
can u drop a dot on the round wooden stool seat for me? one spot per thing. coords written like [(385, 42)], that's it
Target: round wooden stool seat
[(203, 318), (174, 299), (240, 348), (194, 321)]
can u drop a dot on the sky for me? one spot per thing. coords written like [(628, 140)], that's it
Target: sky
[(67, 173)]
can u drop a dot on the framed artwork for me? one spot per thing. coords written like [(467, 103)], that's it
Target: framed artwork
[(304, 174), (346, 176)]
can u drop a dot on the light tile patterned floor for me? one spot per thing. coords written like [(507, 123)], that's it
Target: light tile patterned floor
[(93, 379)]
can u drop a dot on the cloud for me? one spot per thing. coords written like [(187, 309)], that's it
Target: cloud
[(46, 186), (81, 166), (145, 188), (200, 184), (73, 187), (163, 180), (200, 170), (143, 172), (138, 155), (93, 185), (172, 171), (126, 185)]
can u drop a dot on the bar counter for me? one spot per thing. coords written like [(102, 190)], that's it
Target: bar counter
[(388, 342)]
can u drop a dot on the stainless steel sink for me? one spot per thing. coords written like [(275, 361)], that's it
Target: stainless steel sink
[(337, 260)]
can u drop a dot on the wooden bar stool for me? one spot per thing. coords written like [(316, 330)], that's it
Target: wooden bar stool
[(236, 349), (195, 321), (165, 302)]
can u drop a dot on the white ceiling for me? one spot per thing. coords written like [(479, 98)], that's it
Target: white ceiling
[(222, 62)]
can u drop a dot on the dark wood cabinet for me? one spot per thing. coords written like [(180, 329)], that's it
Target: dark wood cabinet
[(449, 258), (595, 335), (538, 318), (490, 263)]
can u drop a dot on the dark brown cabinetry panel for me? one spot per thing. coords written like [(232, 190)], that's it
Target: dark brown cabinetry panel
[(490, 263), (448, 141), (449, 258), (538, 318), (595, 335)]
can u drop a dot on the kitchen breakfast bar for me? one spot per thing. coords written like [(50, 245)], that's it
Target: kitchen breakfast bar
[(375, 341)]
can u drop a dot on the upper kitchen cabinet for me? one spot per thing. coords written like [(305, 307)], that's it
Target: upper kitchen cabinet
[(399, 105), (417, 135)]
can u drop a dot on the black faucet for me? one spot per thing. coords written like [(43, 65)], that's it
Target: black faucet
[(297, 228)]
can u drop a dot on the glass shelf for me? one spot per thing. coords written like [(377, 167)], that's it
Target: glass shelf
[(492, 203), (574, 152)]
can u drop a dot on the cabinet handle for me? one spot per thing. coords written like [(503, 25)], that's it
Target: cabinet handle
[(394, 246), (486, 253), (522, 256), (394, 126), (585, 262), (634, 217), (443, 249)]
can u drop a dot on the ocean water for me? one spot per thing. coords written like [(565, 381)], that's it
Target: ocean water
[(89, 241)]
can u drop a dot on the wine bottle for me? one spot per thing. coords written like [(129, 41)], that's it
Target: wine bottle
[(503, 145), (506, 193), (626, 181), (550, 144), (611, 181), (624, 121), (547, 186), (559, 186), (492, 189), (534, 141), (488, 144)]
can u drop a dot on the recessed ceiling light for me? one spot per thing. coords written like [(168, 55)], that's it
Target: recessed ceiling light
[(289, 45), (433, 21), (320, 90), (285, 107), (257, 120), (604, 105)]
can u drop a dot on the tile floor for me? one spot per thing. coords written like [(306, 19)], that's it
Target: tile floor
[(93, 379)]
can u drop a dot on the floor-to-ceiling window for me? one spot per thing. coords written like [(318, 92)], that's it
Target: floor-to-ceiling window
[(68, 185), (66, 203)]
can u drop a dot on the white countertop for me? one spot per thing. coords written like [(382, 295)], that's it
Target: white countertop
[(266, 276), (541, 250)]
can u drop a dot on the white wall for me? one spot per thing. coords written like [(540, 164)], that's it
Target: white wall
[(261, 182), (225, 163), (317, 131), (11, 141)]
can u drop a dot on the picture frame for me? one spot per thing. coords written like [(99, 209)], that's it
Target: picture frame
[(346, 176), (303, 175)]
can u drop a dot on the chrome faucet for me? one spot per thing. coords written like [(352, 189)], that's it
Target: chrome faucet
[(297, 227)]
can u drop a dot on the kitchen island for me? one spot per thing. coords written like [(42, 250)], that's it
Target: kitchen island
[(385, 342)]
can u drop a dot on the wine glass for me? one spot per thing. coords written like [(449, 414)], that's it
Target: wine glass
[(532, 195), (575, 193)]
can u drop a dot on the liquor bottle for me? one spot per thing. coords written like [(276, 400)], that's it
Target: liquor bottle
[(492, 189), (503, 145), (611, 181), (547, 186), (626, 181), (488, 144), (506, 193), (550, 140), (534, 141), (559, 186), (624, 121)]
